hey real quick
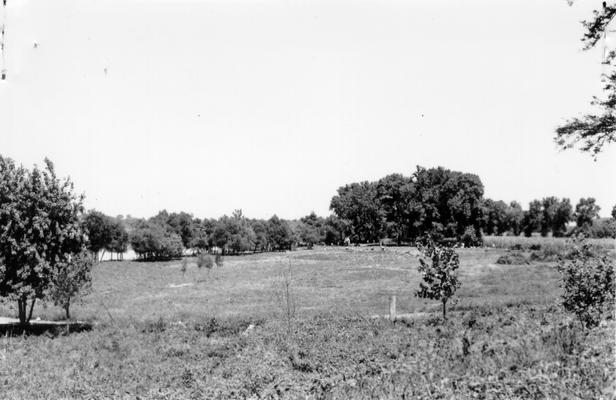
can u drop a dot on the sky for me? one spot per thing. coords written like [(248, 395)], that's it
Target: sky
[(270, 105)]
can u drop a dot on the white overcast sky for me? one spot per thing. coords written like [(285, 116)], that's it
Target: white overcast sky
[(270, 106)]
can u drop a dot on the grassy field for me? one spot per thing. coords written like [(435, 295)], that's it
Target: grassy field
[(505, 242), (162, 334)]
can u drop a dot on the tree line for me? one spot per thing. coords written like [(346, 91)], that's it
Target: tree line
[(445, 205), (166, 235), (449, 206)]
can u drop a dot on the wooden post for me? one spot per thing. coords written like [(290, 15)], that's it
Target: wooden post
[(392, 308)]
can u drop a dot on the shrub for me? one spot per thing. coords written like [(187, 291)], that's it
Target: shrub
[(545, 254), (438, 270), (219, 260), (603, 228), (471, 238), (512, 258), (184, 266), (205, 260), (588, 283)]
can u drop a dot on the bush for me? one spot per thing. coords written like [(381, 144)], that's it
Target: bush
[(603, 228), (512, 258), (471, 238), (219, 260), (588, 284), (205, 260), (546, 254)]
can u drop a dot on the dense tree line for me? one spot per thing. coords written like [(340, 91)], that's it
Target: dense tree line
[(549, 215), (166, 235), (445, 205), (437, 202)]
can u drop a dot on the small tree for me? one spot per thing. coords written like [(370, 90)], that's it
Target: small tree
[(438, 270), (205, 260), (71, 279), (588, 283)]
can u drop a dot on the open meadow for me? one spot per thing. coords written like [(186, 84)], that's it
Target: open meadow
[(226, 333)]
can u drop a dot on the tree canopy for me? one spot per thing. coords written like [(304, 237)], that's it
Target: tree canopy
[(40, 231), (593, 131)]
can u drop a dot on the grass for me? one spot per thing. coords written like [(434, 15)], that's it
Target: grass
[(506, 337), (333, 280), (526, 243)]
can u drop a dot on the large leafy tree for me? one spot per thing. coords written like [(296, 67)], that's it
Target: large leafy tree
[(99, 229), (495, 219), (563, 214), (515, 217), (593, 131), (358, 204), (586, 210), (151, 241), (394, 194), (450, 204), (279, 234), (40, 232), (533, 218)]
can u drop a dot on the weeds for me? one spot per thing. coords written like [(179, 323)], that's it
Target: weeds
[(588, 284), (285, 298)]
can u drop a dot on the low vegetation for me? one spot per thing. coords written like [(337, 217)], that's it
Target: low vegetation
[(507, 336)]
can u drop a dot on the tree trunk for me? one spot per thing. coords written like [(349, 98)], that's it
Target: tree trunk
[(102, 255), (444, 310), (21, 311), (31, 308), (24, 314), (66, 308)]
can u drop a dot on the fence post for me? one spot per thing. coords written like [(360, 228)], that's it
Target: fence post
[(392, 308)]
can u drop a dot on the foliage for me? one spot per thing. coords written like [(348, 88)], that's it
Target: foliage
[(449, 203), (280, 235), (358, 204), (70, 279), (105, 233), (152, 242), (514, 217), (603, 228), (335, 230), (517, 352), (585, 212), (259, 227), (219, 260), (512, 258), (593, 131), (395, 195), (98, 228), (205, 261), (233, 234), (39, 231), (533, 218), (435, 201), (439, 274), (588, 284), (494, 217), (119, 238)]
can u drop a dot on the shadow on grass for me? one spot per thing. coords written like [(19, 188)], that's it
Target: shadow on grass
[(50, 328)]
